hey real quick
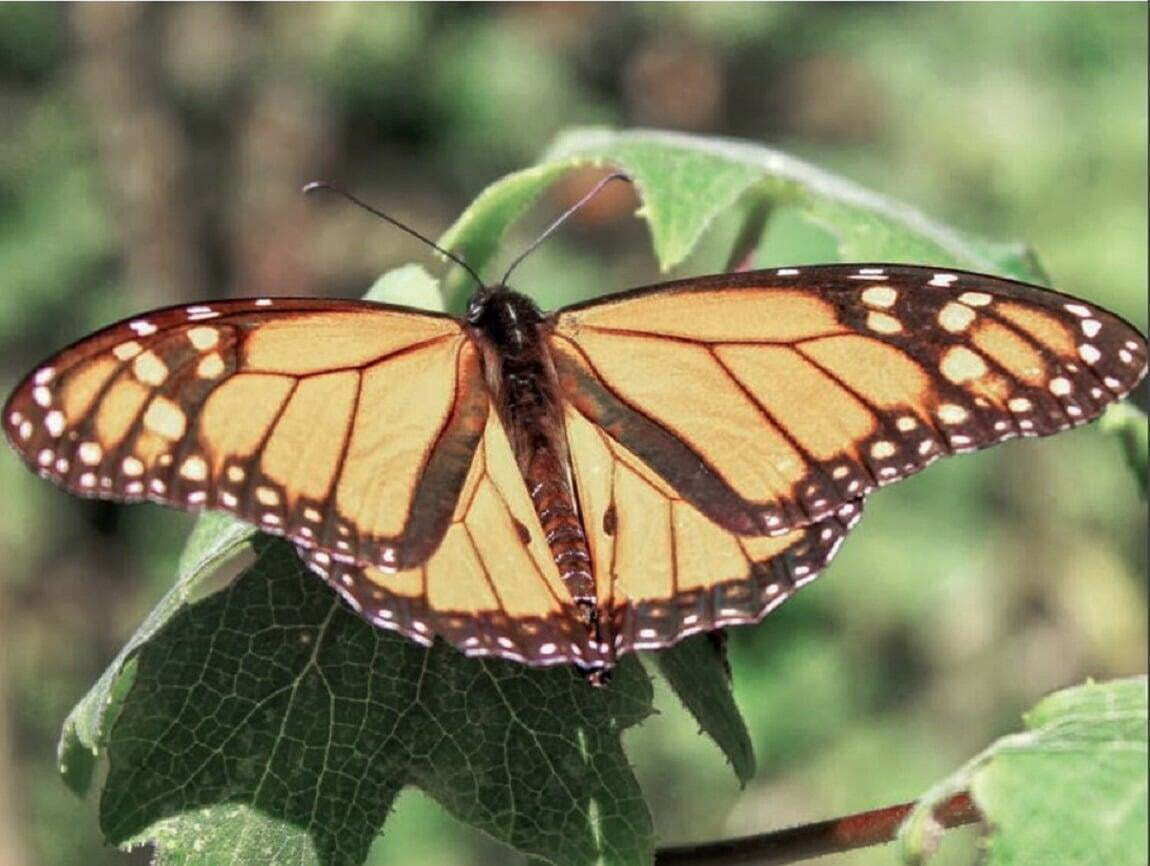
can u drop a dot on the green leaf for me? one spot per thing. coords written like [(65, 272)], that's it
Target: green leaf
[(475, 236), (408, 285), (696, 669), (214, 539), (1072, 789), (1126, 421), (686, 181), (268, 721)]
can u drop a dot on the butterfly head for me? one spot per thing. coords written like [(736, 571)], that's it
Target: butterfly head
[(477, 305), (507, 318)]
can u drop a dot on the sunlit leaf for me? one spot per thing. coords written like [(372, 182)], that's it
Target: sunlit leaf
[(1071, 789)]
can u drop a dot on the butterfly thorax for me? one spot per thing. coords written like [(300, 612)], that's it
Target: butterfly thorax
[(520, 373)]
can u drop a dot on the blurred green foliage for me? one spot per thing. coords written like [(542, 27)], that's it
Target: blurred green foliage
[(152, 154)]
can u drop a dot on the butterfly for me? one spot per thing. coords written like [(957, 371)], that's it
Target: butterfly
[(571, 486)]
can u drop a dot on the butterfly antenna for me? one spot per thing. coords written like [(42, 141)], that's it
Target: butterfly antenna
[(562, 219), (319, 185)]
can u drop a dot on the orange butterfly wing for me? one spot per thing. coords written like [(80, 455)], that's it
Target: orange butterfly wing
[(346, 426), (771, 399)]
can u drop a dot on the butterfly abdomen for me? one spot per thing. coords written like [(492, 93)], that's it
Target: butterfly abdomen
[(521, 375), (551, 494)]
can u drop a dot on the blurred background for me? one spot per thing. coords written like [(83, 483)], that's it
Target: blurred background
[(153, 155)]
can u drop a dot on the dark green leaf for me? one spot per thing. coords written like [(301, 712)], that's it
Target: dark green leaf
[(215, 538), (696, 669), (269, 721)]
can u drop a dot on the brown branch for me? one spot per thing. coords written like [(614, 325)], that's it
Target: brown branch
[(793, 844)]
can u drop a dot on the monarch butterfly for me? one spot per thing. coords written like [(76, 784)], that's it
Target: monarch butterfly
[(569, 487)]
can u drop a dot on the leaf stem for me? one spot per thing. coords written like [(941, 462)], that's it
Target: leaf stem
[(793, 844), (742, 257)]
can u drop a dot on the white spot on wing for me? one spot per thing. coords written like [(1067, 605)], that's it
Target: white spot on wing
[(975, 299), (90, 453), (127, 350), (881, 323), (54, 421), (201, 312), (951, 413), (203, 337), (879, 296), (195, 468), (881, 450), (955, 317)]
